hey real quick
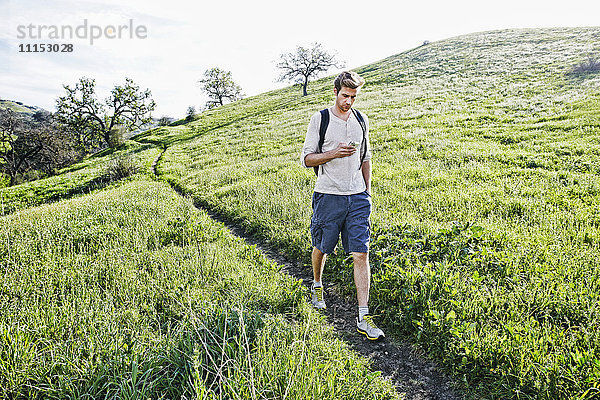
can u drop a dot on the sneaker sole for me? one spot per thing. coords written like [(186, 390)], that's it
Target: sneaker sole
[(369, 337)]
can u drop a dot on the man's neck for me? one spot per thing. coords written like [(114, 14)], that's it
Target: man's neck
[(341, 114)]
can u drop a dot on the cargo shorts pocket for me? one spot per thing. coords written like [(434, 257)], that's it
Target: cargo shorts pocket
[(316, 232), (316, 199)]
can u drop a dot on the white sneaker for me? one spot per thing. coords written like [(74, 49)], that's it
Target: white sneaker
[(317, 297), (368, 328)]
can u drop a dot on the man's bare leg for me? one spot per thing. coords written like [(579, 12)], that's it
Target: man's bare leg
[(362, 280), (362, 277), (318, 263)]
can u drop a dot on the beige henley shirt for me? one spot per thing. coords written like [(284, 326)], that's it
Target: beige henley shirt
[(340, 175)]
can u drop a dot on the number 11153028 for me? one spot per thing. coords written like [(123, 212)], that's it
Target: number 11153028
[(46, 48)]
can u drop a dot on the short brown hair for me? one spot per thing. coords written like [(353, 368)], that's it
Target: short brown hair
[(348, 79)]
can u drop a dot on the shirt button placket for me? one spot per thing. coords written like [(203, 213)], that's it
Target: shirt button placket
[(348, 158)]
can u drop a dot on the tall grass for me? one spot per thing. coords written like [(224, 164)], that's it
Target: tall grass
[(131, 292), (81, 178)]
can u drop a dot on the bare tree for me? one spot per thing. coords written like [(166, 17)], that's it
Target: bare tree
[(305, 64), (92, 120), (220, 87)]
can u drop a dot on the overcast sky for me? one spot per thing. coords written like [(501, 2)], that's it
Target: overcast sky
[(175, 41)]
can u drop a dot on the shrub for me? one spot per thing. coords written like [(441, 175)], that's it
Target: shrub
[(592, 64), (4, 180), (121, 167), (191, 113), (164, 121), (116, 136)]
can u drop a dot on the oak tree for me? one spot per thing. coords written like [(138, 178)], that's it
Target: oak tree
[(220, 87), (305, 64), (93, 120), (32, 144)]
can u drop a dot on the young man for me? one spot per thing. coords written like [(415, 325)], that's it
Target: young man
[(342, 196)]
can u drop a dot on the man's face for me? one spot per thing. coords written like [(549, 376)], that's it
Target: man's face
[(345, 98)]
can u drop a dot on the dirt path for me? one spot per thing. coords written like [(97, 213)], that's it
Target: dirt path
[(410, 371)]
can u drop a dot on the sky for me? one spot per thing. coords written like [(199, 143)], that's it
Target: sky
[(166, 45)]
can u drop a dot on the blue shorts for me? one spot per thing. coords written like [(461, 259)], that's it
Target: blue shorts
[(346, 214)]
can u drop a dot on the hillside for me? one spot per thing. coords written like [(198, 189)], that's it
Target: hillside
[(486, 226), (19, 107)]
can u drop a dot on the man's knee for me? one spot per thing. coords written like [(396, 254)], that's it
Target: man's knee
[(361, 258), (318, 253)]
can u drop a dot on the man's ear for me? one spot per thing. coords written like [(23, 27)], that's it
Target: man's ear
[(335, 91)]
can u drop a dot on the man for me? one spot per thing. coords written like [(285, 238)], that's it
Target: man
[(342, 195)]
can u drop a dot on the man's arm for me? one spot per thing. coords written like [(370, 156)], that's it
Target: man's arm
[(315, 159), (366, 173)]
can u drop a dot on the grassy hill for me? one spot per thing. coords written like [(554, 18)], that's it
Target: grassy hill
[(19, 107), (486, 188), (78, 179)]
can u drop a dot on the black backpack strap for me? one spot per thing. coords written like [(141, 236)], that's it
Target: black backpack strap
[(363, 145), (322, 130)]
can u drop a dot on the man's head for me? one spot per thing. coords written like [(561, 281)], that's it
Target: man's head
[(346, 87), (350, 80)]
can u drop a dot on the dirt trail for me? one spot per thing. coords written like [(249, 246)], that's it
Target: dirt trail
[(413, 375)]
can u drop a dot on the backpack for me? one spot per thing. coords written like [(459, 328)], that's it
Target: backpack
[(323, 130)]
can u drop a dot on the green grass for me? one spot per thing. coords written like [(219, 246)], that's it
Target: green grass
[(130, 292), (81, 178), (488, 130)]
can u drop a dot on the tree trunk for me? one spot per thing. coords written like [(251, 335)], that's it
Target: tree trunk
[(304, 86)]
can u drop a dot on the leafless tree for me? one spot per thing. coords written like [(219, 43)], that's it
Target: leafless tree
[(11, 128), (305, 64)]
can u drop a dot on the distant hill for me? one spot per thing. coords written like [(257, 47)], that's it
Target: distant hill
[(24, 109), (19, 107)]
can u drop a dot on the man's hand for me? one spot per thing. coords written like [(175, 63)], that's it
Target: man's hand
[(341, 151)]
